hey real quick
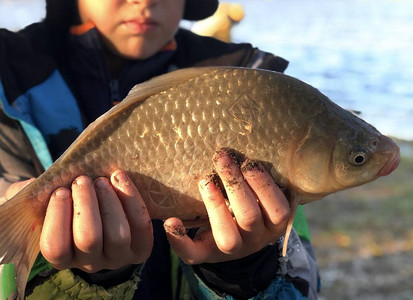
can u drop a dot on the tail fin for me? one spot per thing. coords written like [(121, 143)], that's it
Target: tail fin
[(294, 202), (20, 230)]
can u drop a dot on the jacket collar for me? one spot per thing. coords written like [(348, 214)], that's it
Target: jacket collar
[(89, 76)]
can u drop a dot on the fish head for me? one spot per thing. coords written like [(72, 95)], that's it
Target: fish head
[(362, 154), (340, 152)]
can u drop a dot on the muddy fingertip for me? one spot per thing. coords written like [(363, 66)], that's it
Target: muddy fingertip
[(252, 165), (236, 156), (175, 227), (207, 180)]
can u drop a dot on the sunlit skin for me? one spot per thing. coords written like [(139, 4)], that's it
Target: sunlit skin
[(112, 238), (132, 29)]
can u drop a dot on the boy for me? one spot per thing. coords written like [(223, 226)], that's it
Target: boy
[(82, 59)]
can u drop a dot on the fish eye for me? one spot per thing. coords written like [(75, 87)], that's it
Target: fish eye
[(358, 156)]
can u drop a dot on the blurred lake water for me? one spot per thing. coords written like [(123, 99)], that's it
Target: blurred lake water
[(357, 52)]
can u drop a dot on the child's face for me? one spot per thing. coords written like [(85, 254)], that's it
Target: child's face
[(135, 29)]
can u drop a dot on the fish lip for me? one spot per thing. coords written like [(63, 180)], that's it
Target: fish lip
[(391, 165)]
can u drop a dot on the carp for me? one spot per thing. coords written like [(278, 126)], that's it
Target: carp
[(165, 132)]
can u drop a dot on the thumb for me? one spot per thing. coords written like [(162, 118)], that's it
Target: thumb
[(16, 187), (191, 252)]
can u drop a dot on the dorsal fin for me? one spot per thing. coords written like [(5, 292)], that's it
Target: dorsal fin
[(161, 83), (139, 93)]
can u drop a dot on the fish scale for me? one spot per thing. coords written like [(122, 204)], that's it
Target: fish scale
[(165, 132)]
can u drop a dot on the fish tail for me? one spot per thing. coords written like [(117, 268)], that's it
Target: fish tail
[(20, 229)]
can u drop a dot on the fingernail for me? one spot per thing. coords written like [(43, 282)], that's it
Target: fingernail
[(177, 230), (203, 183), (234, 155), (121, 177), (101, 182), (206, 180), (82, 180), (62, 193), (250, 165)]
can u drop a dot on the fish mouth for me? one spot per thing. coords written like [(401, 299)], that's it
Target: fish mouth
[(391, 165)]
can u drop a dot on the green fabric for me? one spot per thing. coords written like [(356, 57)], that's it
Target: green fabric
[(174, 272), (65, 285), (8, 281), (8, 275), (40, 265), (300, 224), (184, 290)]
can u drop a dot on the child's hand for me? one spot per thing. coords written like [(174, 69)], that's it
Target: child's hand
[(260, 210), (98, 225), (14, 188)]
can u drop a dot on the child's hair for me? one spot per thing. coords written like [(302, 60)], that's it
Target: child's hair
[(196, 10), (61, 14)]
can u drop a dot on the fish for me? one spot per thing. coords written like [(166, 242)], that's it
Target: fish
[(164, 135)]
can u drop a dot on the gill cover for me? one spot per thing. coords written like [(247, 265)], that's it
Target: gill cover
[(310, 162)]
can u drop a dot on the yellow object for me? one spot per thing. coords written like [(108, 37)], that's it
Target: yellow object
[(220, 24), (235, 12)]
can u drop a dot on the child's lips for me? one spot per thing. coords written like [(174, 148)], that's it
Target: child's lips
[(140, 26)]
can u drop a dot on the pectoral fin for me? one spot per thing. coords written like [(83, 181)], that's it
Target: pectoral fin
[(295, 200)]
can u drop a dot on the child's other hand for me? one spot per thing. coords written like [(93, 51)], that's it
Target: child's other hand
[(260, 215)]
